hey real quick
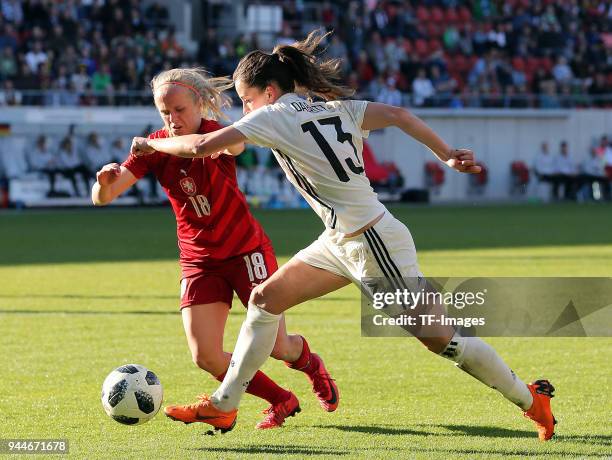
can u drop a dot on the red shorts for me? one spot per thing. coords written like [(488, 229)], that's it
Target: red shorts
[(218, 280)]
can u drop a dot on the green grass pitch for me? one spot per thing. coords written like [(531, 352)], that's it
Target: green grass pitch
[(82, 292)]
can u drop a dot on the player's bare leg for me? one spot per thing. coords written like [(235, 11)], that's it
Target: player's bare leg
[(481, 361), (294, 283), (204, 328)]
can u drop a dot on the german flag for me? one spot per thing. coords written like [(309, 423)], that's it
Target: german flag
[(5, 129)]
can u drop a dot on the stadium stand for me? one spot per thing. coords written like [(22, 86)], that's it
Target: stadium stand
[(444, 54), (484, 53)]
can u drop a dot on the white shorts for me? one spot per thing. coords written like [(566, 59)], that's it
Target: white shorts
[(385, 250)]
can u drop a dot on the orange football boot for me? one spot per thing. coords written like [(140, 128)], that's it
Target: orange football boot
[(203, 411), (277, 413), (540, 412)]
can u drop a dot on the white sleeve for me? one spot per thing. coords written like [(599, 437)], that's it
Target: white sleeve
[(357, 110), (257, 128)]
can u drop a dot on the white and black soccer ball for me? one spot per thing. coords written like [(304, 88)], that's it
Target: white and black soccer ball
[(131, 394)]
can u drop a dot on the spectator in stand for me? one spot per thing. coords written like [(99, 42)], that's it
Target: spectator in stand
[(544, 168), (8, 36), (389, 94), (94, 154), (338, 50), (35, 57), (70, 165), (601, 87), (12, 10), (27, 81), (604, 150), (594, 177), (9, 95), (80, 80), (42, 159), (102, 85), (422, 89), (444, 86), (566, 169), (8, 63), (562, 72), (117, 150), (526, 34), (170, 46), (157, 15)]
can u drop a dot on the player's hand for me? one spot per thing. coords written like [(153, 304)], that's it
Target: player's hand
[(218, 154), (108, 174), (462, 160), (140, 147)]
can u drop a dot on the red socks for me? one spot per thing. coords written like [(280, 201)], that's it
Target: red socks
[(264, 387), (304, 363)]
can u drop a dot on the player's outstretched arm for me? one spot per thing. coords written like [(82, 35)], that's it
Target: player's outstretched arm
[(111, 181), (378, 116), (193, 145)]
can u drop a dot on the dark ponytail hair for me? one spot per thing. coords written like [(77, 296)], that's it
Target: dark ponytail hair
[(294, 68)]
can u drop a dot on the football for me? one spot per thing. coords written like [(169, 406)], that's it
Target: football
[(131, 394)]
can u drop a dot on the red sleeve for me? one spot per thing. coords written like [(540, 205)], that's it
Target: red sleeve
[(141, 165), (137, 165)]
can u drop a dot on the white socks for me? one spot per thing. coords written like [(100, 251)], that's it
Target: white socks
[(253, 347), (482, 362)]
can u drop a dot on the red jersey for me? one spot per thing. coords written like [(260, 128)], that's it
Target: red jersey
[(212, 216)]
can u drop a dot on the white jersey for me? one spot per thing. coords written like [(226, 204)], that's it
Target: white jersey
[(319, 146)]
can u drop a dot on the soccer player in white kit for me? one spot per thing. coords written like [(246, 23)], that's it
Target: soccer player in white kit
[(319, 146)]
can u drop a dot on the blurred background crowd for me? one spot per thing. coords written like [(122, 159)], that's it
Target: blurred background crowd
[(445, 54), (432, 53)]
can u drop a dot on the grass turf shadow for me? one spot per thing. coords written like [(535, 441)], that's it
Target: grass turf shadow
[(270, 449), (467, 430), (87, 312)]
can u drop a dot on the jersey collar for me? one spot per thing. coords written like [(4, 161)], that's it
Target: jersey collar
[(285, 97)]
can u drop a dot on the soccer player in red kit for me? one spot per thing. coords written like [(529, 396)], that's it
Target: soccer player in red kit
[(223, 249)]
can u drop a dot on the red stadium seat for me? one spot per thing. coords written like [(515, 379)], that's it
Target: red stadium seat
[(478, 182), (437, 15), (465, 15), (458, 77), (518, 63), (434, 174), (520, 173), (461, 64), (546, 63), (433, 30), (407, 45), (482, 178), (422, 14), (451, 16), (421, 48), (375, 171), (531, 64), (434, 45)]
